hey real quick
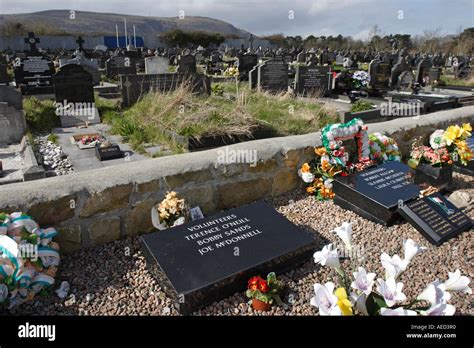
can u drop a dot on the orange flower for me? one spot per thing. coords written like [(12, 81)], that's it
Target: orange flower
[(310, 189), (320, 151), (305, 168), (325, 165)]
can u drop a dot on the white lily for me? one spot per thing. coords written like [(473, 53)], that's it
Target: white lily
[(363, 281), (307, 177), (344, 232), (441, 309), (397, 312), (394, 265), (325, 299), (435, 293), (411, 250), (327, 257), (391, 291), (457, 282)]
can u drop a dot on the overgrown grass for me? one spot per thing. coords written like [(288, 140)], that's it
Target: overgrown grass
[(53, 138), (468, 82), (186, 114), (40, 114)]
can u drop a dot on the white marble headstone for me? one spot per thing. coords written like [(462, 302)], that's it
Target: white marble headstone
[(156, 65)]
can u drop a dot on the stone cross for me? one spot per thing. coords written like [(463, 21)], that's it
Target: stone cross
[(80, 41), (32, 41)]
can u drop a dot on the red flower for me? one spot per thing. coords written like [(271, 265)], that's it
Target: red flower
[(254, 282), (263, 286)]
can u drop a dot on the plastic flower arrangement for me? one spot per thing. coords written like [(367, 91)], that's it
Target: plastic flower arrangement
[(446, 146), (29, 259), (360, 292), (332, 159), (265, 290), (360, 79), (88, 140), (231, 71), (383, 148), (170, 212)]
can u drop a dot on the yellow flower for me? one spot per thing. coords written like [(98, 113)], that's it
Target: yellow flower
[(467, 129), (452, 133), (344, 304), (305, 168), (320, 151)]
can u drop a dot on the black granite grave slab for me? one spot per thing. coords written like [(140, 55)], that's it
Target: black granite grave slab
[(212, 258), (377, 190), (108, 153), (312, 79), (436, 218)]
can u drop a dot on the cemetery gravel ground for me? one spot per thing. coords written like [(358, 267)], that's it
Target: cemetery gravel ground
[(104, 281)]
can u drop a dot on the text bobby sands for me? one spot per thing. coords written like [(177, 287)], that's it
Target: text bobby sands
[(37, 331)]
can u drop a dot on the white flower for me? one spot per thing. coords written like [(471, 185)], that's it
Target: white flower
[(391, 291), (3, 292), (325, 299), (307, 177), (435, 294), (363, 281), (344, 232), (394, 265), (328, 183), (456, 282), (411, 250), (437, 139), (179, 221), (327, 257), (440, 309), (397, 312)]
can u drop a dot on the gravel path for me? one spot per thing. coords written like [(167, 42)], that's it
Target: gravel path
[(113, 279)]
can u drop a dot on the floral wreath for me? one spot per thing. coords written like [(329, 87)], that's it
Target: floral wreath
[(332, 159), (29, 258), (333, 135)]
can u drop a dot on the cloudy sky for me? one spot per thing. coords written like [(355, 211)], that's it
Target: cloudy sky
[(291, 17)]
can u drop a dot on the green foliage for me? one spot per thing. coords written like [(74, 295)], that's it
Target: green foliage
[(53, 138), (185, 38), (361, 105), (40, 114), (217, 89)]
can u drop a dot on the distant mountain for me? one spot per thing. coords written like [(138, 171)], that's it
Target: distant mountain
[(58, 22)]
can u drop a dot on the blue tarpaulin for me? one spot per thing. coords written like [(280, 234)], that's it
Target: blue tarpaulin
[(111, 41)]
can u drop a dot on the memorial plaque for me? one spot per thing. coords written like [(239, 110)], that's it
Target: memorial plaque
[(375, 193), (212, 258), (135, 86), (273, 76), (312, 79), (116, 66), (246, 63), (108, 153), (436, 218), (34, 75)]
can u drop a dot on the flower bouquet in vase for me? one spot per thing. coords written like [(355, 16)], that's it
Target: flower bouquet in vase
[(433, 164), (264, 292), (170, 212)]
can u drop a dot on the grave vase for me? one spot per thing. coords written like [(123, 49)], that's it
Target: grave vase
[(439, 177), (260, 305)]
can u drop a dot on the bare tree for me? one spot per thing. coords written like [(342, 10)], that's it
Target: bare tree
[(431, 40)]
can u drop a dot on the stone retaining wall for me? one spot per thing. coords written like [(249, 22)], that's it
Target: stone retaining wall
[(102, 205)]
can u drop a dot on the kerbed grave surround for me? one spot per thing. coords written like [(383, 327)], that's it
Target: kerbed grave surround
[(98, 206)]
